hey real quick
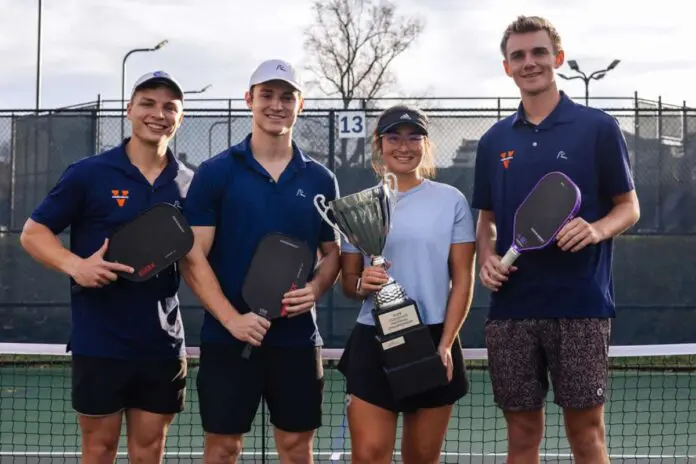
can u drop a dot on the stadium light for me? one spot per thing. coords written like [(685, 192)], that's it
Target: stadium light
[(123, 77), (596, 75), (198, 91)]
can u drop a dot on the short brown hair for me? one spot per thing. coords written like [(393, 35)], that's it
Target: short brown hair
[(524, 24)]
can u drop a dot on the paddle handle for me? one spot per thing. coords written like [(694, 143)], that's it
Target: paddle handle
[(510, 257), (247, 351)]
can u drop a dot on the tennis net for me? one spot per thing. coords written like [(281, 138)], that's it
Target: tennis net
[(650, 416)]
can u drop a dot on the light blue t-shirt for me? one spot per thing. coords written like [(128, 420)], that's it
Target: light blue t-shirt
[(428, 219)]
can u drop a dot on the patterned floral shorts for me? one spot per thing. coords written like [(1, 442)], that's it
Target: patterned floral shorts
[(523, 353)]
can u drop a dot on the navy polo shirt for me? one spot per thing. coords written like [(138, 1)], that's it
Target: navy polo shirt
[(587, 145), (236, 195), (124, 319)]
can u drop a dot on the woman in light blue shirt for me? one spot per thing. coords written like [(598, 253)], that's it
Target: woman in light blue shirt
[(430, 249)]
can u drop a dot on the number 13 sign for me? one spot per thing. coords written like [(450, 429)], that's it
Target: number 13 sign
[(351, 124)]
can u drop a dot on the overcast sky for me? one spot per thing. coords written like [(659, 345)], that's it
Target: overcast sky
[(219, 42)]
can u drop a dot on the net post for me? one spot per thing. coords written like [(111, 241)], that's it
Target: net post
[(264, 430)]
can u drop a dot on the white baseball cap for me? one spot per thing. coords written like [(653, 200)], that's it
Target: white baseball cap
[(271, 70), (161, 77)]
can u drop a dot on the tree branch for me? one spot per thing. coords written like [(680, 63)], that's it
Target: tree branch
[(352, 43)]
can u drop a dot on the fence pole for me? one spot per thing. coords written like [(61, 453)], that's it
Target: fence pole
[(48, 158), (229, 122), (99, 126), (331, 164), (331, 160), (688, 163), (685, 128), (34, 174), (13, 147), (638, 176), (659, 163)]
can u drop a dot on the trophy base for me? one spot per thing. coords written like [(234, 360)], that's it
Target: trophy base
[(417, 377), (409, 355)]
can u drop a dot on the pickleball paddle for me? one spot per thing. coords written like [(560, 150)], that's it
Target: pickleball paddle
[(149, 243), (553, 201), (281, 263)]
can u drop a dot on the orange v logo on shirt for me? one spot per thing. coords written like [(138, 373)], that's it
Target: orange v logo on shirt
[(120, 198), (506, 157)]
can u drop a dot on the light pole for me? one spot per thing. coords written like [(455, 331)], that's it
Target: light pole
[(198, 91), (38, 56), (596, 75), (123, 77)]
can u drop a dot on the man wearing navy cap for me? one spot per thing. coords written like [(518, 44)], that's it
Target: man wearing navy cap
[(550, 314), (127, 339), (264, 184)]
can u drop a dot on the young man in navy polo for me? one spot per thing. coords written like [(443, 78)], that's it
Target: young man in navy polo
[(264, 184), (127, 338), (550, 313)]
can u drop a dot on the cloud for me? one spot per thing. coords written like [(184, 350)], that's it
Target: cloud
[(219, 42), (210, 42)]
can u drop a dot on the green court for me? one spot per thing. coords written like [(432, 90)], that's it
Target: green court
[(651, 416)]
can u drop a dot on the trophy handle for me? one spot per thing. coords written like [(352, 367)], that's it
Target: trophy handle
[(394, 191), (391, 176), (322, 208)]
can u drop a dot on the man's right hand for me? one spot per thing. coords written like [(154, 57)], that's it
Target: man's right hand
[(95, 271), (249, 328), (493, 273)]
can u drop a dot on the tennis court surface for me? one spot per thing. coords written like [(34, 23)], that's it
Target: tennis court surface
[(650, 417)]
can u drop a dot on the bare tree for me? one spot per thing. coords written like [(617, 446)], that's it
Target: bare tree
[(350, 46)]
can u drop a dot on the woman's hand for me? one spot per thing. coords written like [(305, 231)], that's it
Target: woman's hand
[(446, 356), (373, 279)]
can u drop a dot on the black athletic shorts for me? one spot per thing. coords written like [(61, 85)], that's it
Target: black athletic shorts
[(230, 388), (365, 378), (104, 386)]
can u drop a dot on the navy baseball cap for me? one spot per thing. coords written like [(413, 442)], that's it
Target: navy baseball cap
[(402, 114), (158, 77)]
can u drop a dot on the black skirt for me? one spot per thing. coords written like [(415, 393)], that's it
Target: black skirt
[(361, 366)]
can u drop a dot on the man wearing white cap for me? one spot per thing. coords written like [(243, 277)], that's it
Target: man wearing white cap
[(264, 184), (127, 338)]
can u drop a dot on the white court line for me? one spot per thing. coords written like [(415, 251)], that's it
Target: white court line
[(338, 455), (335, 455)]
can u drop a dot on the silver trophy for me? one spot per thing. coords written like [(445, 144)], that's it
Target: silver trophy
[(409, 355), (364, 220)]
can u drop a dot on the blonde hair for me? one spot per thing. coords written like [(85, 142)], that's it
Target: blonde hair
[(426, 168)]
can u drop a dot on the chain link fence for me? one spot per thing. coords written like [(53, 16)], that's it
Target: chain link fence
[(653, 280)]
